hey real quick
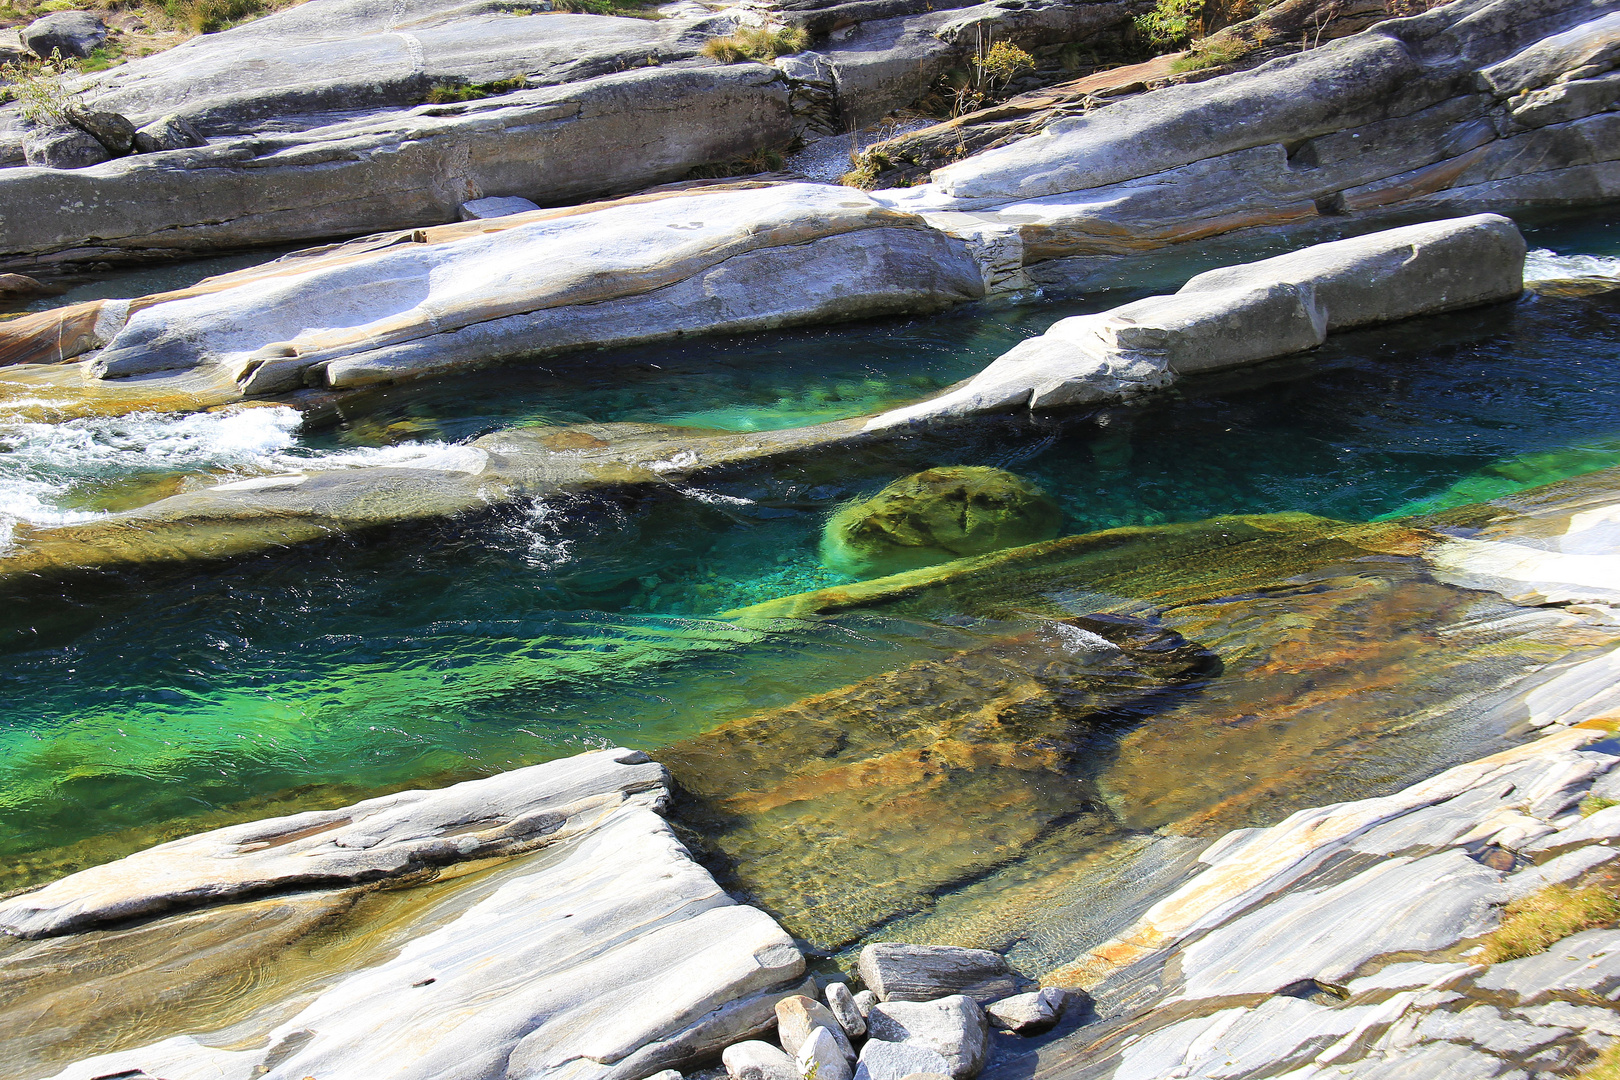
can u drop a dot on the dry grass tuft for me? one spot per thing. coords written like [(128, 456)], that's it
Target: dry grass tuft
[(757, 43), (1546, 916)]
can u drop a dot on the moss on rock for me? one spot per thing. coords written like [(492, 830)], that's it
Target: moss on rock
[(935, 516)]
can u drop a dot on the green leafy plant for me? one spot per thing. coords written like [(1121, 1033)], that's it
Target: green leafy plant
[(1593, 803), (42, 90), (444, 92), (757, 43)]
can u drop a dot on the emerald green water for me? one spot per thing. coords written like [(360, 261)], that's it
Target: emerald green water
[(533, 631)]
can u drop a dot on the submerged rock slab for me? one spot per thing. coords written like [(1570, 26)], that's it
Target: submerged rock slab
[(849, 808), (528, 978), (1244, 314)]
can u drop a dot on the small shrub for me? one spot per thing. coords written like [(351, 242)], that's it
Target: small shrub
[(1212, 52), (1003, 62), (1546, 916), (41, 90), (762, 160), (757, 43), (1171, 23), (1593, 803)]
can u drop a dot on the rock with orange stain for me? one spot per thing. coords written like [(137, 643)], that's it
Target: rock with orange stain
[(851, 807)]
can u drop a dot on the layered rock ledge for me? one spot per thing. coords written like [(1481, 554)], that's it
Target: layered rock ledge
[(562, 895), (472, 292)]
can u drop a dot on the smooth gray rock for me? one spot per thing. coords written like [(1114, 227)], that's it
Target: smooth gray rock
[(1420, 905), (897, 972), (864, 1000), (63, 147), (799, 1017), (1243, 314), (172, 132), (380, 838), (755, 1060), (1028, 1014), (882, 1060), (1588, 961), (821, 1058), (531, 977), (953, 1027), (841, 1003), (76, 34), (399, 169), (499, 206), (667, 1074)]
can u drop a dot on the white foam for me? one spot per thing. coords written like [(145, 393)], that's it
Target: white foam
[(1543, 265), (42, 463)]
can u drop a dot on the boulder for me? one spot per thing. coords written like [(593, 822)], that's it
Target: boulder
[(882, 1060), (799, 1017), (821, 1058), (110, 129), (498, 206), (864, 1000), (1243, 314), (755, 1060), (953, 1027), (898, 972), (62, 146), (938, 515), (841, 1003), (1028, 1014), (18, 287), (172, 132), (76, 34)]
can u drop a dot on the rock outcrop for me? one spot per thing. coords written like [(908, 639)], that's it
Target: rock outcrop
[(1342, 941), (340, 117), (524, 974), (1244, 314), (724, 261), (1471, 106)]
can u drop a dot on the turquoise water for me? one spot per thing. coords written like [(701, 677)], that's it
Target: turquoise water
[(534, 630)]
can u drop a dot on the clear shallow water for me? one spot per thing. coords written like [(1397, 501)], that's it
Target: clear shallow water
[(454, 650)]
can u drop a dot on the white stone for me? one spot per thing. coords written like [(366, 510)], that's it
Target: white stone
[(881, 1060), (953, 1027), (821, 1058), (755, 1060)]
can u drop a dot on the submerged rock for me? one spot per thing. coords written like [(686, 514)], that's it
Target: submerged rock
[(873, 778), (938, 515)]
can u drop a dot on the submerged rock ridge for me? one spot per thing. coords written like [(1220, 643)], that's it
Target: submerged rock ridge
[(1244, 314), (519, 964)]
